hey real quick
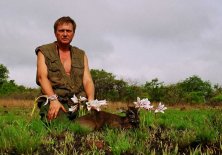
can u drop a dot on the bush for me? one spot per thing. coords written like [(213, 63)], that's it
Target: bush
[(217, 99), (195, 97)]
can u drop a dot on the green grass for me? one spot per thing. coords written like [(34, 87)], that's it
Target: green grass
[(19, 136), (193, 131), (118, 140)]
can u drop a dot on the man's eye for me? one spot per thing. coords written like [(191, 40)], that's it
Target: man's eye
[(68, 31)]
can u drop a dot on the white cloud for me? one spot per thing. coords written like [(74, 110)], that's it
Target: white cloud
[(138, 40)]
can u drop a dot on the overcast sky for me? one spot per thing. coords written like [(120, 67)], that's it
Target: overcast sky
[(137, 40)]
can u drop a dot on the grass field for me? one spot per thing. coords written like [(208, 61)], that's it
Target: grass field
[(180, 130)]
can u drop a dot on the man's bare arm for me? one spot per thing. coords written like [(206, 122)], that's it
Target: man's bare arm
[(42, 76), (87, 81)]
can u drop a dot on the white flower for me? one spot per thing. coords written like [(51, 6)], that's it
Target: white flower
[(75, 99), (160, 108), (144, 103), (73, 108), (95, 104), (82, 98)]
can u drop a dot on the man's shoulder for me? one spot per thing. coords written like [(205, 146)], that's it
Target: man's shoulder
[(45, 47), (49, 45), (77, 50)]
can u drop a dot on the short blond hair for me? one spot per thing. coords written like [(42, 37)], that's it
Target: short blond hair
[(62, 20)]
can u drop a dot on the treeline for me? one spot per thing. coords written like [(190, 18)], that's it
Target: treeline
[(9, 89), (192, 90)]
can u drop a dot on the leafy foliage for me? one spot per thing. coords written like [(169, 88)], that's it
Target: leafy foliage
[(195, 90), (3, 74), (217, 99), (155, 89), (192, 90), (107, 86), (172, 94), (8, 88)]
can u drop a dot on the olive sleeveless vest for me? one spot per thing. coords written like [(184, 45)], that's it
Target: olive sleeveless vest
[(62, 84)]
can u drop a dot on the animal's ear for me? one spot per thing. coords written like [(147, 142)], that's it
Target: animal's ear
[(133, 110), (133, 107)]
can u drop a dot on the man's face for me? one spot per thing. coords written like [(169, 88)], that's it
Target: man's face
[(64, 33)]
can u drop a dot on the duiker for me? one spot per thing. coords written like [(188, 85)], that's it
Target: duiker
[(98, 119)]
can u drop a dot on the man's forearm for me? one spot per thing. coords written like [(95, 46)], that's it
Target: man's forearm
[(46, 86), (90, 90)]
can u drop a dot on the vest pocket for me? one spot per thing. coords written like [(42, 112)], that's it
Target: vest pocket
[(54, 72), (78, 70), (78, 75)]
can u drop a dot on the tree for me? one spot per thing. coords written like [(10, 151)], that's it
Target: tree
[(131, 92), (217, 89), (8, 87), (172, 94), (3, 74), (155, 89), (106, 86), (217, 94), (195, 90)]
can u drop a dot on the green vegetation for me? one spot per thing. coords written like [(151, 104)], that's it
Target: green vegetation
[(192, 90), (9, 89), (194, 131)]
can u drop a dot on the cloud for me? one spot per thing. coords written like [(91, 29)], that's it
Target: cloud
[(138, 40)]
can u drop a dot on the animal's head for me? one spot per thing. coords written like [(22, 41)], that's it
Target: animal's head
[(132, 115)]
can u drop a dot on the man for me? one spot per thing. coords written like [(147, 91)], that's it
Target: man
[(62, 70)]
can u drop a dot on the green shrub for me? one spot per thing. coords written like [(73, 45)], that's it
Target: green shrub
[(217, 99), (195, 97)]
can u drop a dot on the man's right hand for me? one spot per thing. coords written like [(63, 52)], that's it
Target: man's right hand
[(54, 108)]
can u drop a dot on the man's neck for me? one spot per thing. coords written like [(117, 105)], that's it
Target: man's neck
[(63, 47)]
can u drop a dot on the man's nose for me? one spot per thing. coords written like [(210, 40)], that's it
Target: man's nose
[(65, 33)]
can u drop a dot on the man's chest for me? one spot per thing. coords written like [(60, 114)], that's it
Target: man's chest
[(66, 62)]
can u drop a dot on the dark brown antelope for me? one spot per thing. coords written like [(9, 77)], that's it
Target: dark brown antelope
[(98, 119)]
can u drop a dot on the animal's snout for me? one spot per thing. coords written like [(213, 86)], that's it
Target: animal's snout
[(135, 123)]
